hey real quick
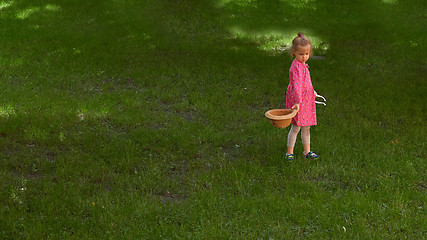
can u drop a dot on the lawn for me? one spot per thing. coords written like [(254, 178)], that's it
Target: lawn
[(144, 119)]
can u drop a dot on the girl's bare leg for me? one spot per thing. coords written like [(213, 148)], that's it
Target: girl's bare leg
[(306, 148), (291, 150), (305, 137), (292, 138)]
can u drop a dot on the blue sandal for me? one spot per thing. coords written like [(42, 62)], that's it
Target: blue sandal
[(311, 155), (289, 157)]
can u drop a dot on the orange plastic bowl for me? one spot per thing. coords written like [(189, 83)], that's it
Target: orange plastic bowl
[(281, 118)]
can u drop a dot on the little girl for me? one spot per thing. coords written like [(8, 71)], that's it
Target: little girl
[(300, 96)]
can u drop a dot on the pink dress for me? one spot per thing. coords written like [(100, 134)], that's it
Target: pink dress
[(300, 90)]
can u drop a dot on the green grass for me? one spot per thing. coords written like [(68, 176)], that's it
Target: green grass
[(144, 120)]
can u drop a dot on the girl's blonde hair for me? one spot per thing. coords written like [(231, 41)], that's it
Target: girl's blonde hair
[(300, 41)]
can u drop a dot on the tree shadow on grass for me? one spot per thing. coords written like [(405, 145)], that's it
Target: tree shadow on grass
[(118, 82), (90, 34), (197, 46)]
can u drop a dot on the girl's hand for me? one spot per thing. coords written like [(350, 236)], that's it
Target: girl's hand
[(296, 107), (315, 93)]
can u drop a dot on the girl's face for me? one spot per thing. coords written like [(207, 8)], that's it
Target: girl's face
[(302, 53)]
